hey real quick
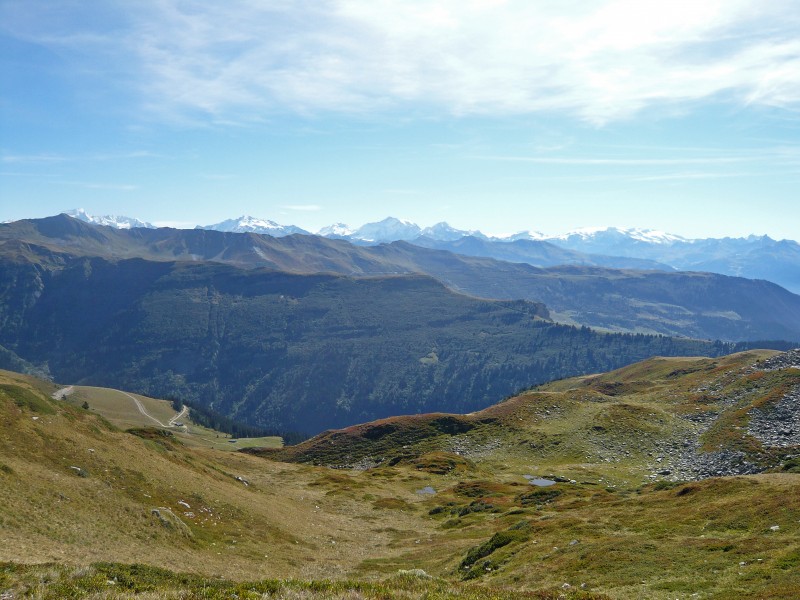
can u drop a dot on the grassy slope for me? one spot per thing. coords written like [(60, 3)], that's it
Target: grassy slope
[(136, 581), (610, 427), (118, 408), (485, 523), (282, 524), (615, 527)]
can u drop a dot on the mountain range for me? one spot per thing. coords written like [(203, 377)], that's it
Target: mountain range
[(307, 333), (115, 221), (689, 304), (754, 257)]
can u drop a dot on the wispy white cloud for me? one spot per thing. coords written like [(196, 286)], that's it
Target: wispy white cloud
[(36, 174), (218, 176), (401, 191), (599, 60), (628, 176), (695, 176)]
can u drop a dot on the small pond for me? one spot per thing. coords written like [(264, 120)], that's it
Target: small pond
[(539, 481)]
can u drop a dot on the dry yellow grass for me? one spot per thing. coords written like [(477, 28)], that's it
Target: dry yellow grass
[(281, 524), (121, 409), (721, 538)]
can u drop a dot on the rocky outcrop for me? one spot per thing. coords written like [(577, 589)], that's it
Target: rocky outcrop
[(694, 465), (777, 425), (784, 360)]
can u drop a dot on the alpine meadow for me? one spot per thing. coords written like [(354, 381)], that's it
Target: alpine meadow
[(394, 300)]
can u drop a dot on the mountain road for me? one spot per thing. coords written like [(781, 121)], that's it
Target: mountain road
[(144, 412)]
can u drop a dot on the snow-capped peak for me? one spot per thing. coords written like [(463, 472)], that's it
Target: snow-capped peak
[(649, 236), (116, 221), (337, 230), (522, 235), (654, 236), (248, 224), (446, 233), (388, 230), (584, 233)]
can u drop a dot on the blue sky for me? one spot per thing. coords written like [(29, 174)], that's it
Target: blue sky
[(497, 115)]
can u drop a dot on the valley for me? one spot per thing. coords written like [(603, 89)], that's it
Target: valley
[(510, 309), (447, 494)]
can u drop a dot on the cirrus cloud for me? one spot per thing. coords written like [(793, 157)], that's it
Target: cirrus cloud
[(598, 61)]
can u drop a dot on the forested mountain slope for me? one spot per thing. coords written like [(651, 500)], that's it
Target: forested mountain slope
[(289, 351), (688, 304)]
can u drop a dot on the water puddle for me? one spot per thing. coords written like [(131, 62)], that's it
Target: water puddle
[(539, 481)]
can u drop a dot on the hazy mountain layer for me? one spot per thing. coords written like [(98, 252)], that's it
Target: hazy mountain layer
[(536, 252), (688, 304), (754, 257)]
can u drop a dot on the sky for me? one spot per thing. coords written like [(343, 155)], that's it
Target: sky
[(498, 115)]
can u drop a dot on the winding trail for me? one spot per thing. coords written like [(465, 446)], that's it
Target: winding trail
[(141, 408), (180, 415), (66, 391), (144, 412)]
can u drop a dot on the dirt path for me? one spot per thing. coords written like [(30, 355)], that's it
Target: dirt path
[(142, 410), (179, 416), (66, 391)]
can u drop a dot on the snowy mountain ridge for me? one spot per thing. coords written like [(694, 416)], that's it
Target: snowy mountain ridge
[(337, 230), (389, 229), (115, 221), (248, 224), (753, 257), (393, 229), (649, 236)]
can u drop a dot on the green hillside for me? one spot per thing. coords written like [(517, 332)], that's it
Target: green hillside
[(86, 503), (134, 411), (121, 408), (672, 419)]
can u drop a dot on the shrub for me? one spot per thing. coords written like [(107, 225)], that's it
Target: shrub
[(791, 466), (518, 533)]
